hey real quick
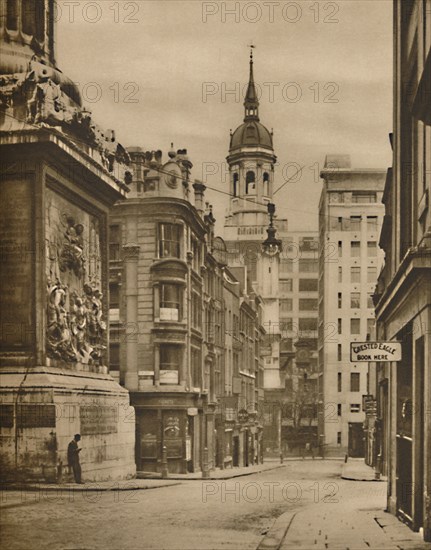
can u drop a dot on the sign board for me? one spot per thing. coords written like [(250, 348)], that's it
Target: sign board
[(375, 351)]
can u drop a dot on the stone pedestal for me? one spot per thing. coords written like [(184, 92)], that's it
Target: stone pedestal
[(54, 381)]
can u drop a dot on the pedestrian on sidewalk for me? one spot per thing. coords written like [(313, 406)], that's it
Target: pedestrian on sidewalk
[(73, 458)]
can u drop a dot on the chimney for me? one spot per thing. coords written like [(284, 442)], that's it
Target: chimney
[(199, 188)]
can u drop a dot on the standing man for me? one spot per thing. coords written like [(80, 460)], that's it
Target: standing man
[(73, 458)]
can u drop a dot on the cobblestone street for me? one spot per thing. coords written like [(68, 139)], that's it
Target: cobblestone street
[(241, 513)]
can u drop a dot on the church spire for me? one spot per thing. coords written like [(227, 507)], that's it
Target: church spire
[(251, 101)]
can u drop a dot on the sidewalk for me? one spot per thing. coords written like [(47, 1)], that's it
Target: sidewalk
[(326, 529), (355, 469), (228, 473)]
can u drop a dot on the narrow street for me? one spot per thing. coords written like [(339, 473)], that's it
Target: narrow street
[(231, 514)]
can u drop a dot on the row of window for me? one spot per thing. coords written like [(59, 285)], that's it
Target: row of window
[(355, 249), (305, 285), (353, 223), (354, 197), (250, 183), (169, 243), (305, 304), (355, 274), (355, 300), (355, 326), (355, 382), (305, 265), (302, 324)]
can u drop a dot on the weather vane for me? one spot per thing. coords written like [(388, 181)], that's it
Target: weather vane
[(251, 46)]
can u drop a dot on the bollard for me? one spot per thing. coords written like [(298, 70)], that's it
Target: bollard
[(164, 462), (205, 465), (281, 457)]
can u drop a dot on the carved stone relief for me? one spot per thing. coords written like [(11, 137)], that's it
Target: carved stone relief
[(76, 329)]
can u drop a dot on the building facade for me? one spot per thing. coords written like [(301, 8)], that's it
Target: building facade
[(403, 296), (350, 217), (159, 243), (61, 173), (298, 307), (185, 329)]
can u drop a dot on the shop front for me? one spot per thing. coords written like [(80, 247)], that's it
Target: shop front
[(171, 424)]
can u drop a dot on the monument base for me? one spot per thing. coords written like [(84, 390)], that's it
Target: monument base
[(42, 410)]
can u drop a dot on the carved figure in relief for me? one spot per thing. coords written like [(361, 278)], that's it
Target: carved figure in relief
[(72, 252), (75, 326)]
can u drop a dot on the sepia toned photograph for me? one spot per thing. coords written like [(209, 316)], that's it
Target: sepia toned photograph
[(215, 275)]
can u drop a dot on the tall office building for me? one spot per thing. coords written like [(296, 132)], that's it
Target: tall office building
[(350, 217)]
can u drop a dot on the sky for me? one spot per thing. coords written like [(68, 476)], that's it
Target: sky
[(175, 71)]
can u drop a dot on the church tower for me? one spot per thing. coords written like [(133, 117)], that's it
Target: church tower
[(250, 243), (251, 163)]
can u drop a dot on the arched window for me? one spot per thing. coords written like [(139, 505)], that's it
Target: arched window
[(235, 184), (250, 180), (266, 183)]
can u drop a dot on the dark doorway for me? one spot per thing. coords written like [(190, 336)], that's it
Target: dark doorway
[(235, 453), (356, 440)]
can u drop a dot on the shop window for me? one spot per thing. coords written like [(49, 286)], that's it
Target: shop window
[(169, 240)]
